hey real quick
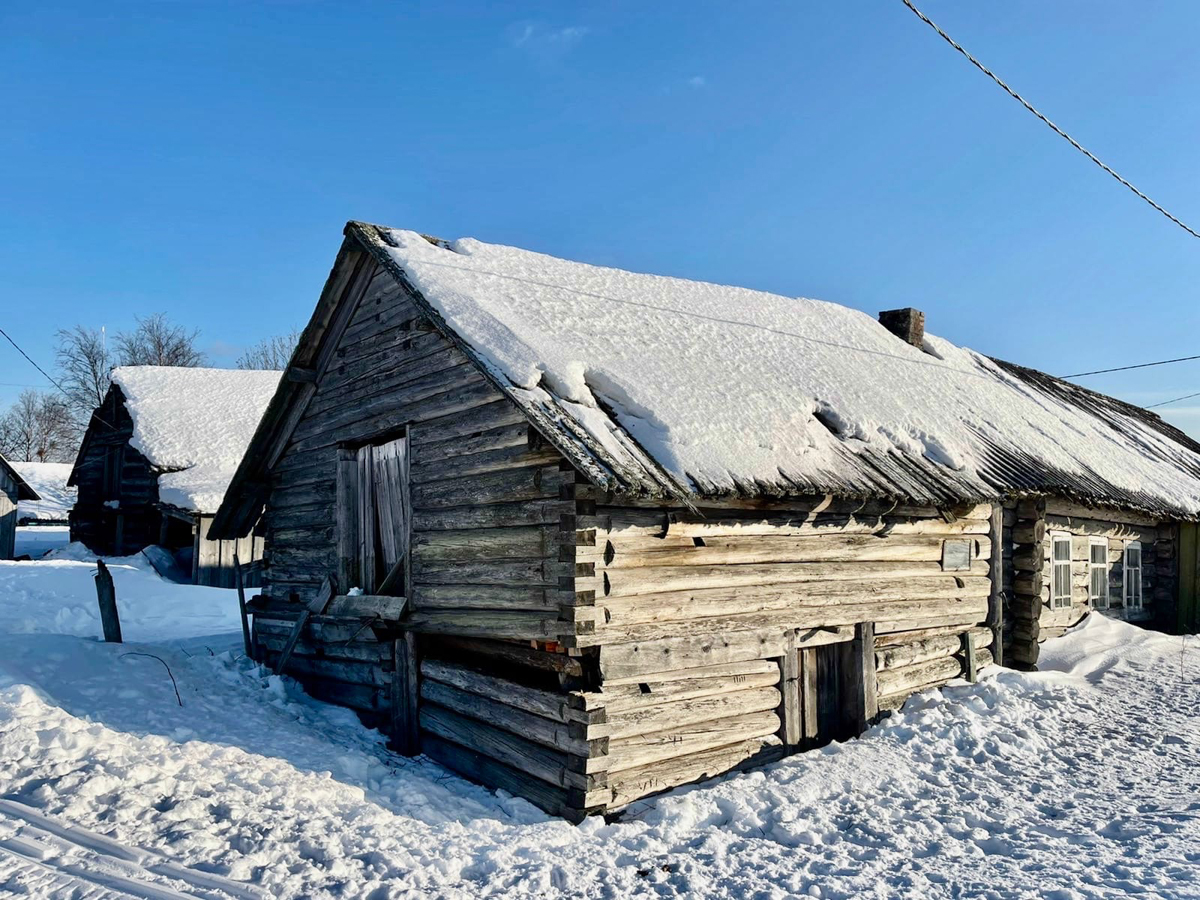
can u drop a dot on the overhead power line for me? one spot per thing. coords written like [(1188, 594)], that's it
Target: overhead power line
[(1161, 362), (61, 389), (1029, 106), (1176, 400), (32, 363)]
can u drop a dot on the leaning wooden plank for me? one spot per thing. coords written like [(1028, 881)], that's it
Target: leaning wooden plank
[(643, 749), (681, 713), (318, 604), (633, 784), (538, 761), (557, 735), (247, 644)]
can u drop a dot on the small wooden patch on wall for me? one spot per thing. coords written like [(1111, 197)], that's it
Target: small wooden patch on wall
[(956, 556)]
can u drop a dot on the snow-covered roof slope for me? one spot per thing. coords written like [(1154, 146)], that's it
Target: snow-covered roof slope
[(661, 385), (25, 491), (49, 480), (195, 425)]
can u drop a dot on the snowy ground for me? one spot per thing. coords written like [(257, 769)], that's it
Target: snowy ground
[(1078, 782)]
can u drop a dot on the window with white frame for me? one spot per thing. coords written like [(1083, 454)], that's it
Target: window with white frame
[(1060, 582), (1098, 573), (1133, 575)]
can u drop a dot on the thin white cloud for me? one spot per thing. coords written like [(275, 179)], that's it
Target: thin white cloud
[(697, 81), (535, 37)]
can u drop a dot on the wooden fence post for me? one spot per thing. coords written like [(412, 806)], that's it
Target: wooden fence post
[(247, 643), (106, 595)]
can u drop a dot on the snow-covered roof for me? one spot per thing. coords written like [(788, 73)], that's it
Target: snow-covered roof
[(194, 424), (662, 385), (25, 491), (49, 480)]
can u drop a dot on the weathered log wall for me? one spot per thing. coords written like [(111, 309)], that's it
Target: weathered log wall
[(488, 690), (692, 615), (8, 514), (213, 561), (486, 492), (1032, 618)]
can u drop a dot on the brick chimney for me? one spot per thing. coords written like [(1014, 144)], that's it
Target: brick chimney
[(908, 324)]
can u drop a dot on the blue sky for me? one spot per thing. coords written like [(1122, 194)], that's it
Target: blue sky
[(201, 159)]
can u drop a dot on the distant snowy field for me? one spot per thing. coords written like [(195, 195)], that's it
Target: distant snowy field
[(1077, 782), (35, 541)]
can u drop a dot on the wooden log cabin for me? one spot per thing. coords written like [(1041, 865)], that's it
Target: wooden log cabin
[(156, 458), (13, 489), (586, 535)]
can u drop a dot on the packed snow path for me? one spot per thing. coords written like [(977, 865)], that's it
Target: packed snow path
[(1080, 782)]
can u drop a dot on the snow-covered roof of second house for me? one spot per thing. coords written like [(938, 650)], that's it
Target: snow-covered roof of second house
[(668, 386), (49, 481), (195, 425)]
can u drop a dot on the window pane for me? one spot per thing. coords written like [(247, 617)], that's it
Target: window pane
[(1062, 549), (1100, 554)]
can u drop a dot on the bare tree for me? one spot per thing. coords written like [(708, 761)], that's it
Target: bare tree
[(270, 353), (157, 342), (85, 370), (39, 427)]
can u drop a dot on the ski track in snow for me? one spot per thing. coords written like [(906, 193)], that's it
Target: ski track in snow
[(1074, 783)]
